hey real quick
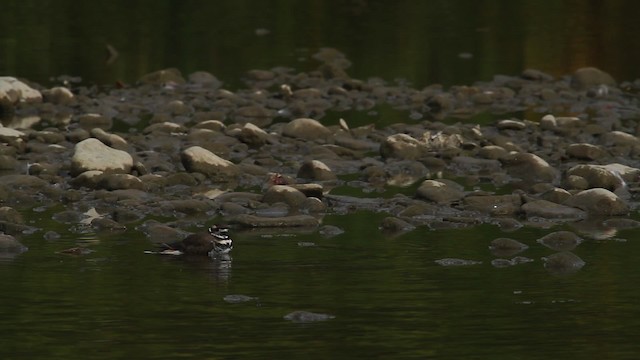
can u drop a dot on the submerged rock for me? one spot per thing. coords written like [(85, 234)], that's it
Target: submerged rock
[(457, 262), (9, 244), (506, 247), (563, 263), (238, 298), (561, 240), (306, 316)]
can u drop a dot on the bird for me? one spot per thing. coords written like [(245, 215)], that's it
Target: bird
[(214, 242)]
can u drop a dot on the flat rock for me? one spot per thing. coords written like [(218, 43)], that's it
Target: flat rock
[(92, 154), (402, 146), (506, 247), (14, 90), (560, 240), (550, 210), (440, 192), (457, 262), (306, 316), (562, 263), (498, 205), (252, 221), (315, 170), (9, 244), (286, 194), (598, 201), (305, 128), (530, 168), (587, 77), (198, 159)]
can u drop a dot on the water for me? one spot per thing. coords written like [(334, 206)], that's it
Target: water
[(423, 42), (389, 298)]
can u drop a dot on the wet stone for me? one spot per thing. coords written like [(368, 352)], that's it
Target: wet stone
[(238, 298), (506, 247), (457, 262), (561, 240), (306, 316), (563, 263)]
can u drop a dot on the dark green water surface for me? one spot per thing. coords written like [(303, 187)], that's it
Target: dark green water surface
[(390, 299)]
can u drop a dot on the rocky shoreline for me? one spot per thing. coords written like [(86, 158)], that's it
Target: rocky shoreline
[(188, 150)]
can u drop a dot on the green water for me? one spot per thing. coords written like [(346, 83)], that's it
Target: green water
[(390, 299)]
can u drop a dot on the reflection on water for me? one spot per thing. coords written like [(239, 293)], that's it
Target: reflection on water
[(388, 295)]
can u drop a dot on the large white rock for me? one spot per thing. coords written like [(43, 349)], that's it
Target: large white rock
[(307, 129), (92, 154), (199, 159), (14, 90)]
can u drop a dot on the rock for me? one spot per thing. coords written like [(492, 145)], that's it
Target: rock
[(205, 79), (10, 245), (254, 136), (469, 165), (493, 152), (549, 210), (496, 205), (119, 181), (599, 176), (509, 124), (619, 140), (530, 168), (329, 231), (58, 95), (186, 206), (506, 247), (161, 77), (13, 91), (501, 263), (586, 151), (111, 140), (306, 129), (395, 225), (561, 240), (198, 159), (534, 74), (456, 262), (7, 134), (587, 77), (107, 224), (402, 146), (92, 154), (286, 194), (440, 192), (255, 114), (316, 170), (11, 215), (252, 221), (598, 201), (309, 190), (306, 316), (92, 121), (237, 298), (563, 263)]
